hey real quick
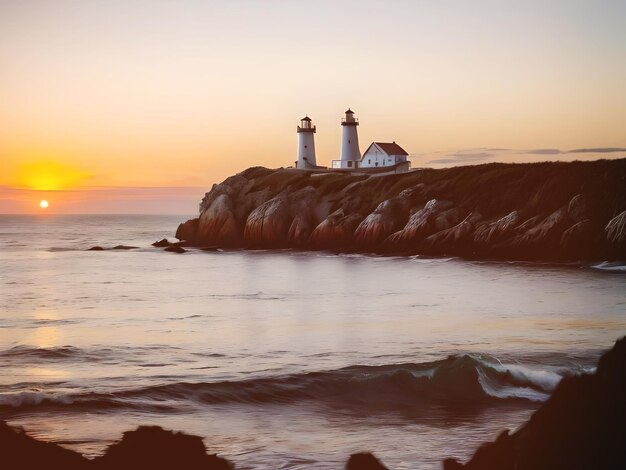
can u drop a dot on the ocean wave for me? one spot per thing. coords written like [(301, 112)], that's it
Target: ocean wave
[(460, 381), (611, 267), (52, 353)]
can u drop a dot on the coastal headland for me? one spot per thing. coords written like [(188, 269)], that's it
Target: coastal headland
[(552, 211)]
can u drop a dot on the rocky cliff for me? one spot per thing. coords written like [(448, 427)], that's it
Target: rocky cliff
[(550, 211)]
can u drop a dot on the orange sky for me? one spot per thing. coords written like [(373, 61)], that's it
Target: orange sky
[(119, 96)]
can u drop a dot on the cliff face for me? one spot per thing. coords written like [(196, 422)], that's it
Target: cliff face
[(551, 211)]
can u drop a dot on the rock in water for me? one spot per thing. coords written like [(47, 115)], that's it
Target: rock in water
[(22, 452), (364, 461), (151, 447), (175, 249), (581, 426)]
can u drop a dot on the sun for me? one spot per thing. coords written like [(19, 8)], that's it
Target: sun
[(43, 203)]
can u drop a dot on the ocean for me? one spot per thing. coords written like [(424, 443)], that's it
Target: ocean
[(284, 359)]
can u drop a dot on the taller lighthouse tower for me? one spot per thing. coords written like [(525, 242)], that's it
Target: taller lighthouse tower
[(350, 153), (306, 144)]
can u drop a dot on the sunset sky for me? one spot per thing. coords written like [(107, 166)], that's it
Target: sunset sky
[(140, 106)]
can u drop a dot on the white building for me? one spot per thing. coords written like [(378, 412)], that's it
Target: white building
[(379, 158), (350, 153), (381, 154), (306, 145)]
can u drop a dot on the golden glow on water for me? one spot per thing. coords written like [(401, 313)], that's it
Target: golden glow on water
[(46, 372), (45, 337)]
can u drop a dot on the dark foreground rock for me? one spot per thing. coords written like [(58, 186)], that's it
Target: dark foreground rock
[(581, 426), (148, 447), (541, 211), (364, 461), (19, 451)]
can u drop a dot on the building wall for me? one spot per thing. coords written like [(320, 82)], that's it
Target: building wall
[(350, 164), (375, 157), (350, 143), (306, 149)]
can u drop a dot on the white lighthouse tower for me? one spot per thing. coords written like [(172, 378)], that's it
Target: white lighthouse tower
[(306, 144), (350, 153)]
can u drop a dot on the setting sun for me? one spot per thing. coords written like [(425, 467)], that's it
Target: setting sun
[(43, 204)]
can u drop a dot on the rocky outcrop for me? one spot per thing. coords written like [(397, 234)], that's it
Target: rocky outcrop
[(187, 230), (364, 461), (616, 230), (388, 217), (422, 223), (549, 211), (148, 447), (336, 231), (581, 426), (498, 230), (152, 447)]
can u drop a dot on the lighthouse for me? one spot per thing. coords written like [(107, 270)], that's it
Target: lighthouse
[(350, 153), (306, 144)]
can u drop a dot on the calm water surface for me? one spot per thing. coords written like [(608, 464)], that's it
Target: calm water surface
[(283, 359)]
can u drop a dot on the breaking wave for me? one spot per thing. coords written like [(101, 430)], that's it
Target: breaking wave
[(460, 381)]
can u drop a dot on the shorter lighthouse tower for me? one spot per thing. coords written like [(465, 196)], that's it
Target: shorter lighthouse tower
[(350, 153), (306, 144)]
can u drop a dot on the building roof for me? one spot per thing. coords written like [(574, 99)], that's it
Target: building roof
[(390, 148), (306, 118), (349, 111)]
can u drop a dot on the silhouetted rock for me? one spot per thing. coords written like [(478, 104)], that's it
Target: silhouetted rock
[(117, 247), (527, 211), (148, 447), (18, 451), (151, 447), (364, 461), (162, 243), (581, 426), (175, 249)]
